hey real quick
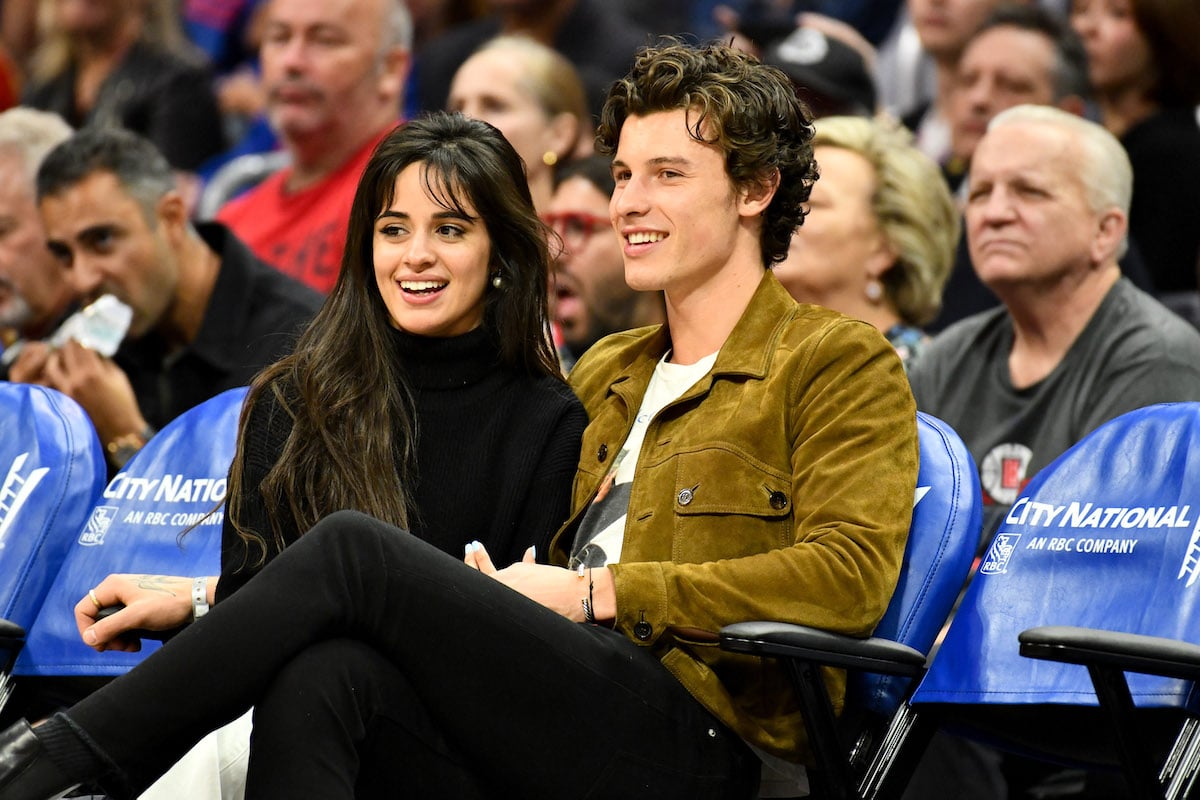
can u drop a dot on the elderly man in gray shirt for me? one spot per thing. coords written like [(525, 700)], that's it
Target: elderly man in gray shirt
[(1075, 344)]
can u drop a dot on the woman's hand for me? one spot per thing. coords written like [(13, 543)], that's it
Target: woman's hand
[(477, 558), (152, 602), (558, 589)]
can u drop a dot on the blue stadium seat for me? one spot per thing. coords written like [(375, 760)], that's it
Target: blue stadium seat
[(1100, 557), (176, 483), (943, 538), (53, 470)]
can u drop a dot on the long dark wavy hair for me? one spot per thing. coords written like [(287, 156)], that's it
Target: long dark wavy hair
[(747, 109), (344, 385)]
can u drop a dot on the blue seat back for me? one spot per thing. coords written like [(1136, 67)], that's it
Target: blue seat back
[(1106, 536), (51, 472), (942, 541), (178, 480)]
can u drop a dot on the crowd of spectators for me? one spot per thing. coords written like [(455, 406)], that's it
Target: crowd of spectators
[(318, 84), (175, 105)]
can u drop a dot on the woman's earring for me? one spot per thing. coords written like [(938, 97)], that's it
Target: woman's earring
[(874, 290), (549, 158), (497, 281)]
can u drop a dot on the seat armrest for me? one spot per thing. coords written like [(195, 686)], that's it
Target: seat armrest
[(141, 633), (10, 632), (1130, 652), (12, 639), (822, 647)]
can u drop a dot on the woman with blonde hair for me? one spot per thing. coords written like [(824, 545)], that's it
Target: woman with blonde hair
[(535, 97), (878, 242)]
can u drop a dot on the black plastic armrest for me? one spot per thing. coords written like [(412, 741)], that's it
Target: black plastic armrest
[(140, 633), (11, 633), (822, 647), (1130, 652)]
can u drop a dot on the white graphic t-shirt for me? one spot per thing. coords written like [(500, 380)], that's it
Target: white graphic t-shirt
[(602, 531)]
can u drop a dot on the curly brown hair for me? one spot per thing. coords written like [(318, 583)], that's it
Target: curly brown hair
[(746, 108)]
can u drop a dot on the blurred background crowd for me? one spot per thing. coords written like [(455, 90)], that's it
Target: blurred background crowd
[(284, 98), (263, 114)]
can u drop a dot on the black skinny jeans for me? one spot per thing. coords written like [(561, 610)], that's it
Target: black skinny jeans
[(494, 695)]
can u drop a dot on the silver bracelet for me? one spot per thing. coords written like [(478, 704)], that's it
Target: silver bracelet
[(199, 598)]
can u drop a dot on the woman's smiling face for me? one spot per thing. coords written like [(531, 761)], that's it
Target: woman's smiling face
[(431, 261)]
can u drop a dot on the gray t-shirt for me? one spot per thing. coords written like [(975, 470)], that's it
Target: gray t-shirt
[(1132, 353)]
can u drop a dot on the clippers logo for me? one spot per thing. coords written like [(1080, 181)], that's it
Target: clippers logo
[(16, 491), (1191, 559), (97, 525), (1002, 472), (996, 560)]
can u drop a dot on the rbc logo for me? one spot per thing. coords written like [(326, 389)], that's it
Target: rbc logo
[(97, 525), (996, 560)]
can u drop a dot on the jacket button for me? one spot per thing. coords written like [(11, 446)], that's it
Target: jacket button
[(602, 453), (685, 496), (778, 501), (642, 631)]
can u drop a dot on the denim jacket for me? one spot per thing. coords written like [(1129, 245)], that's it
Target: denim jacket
[(780, 487)]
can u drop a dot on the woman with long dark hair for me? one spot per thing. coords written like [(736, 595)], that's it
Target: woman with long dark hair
[(425, 397), (424, 393)]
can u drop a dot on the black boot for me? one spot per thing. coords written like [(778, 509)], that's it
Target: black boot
[(26, 772)]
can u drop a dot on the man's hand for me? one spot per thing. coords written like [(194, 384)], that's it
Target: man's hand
[(152, 602), (30, 364), (556, 588), (97, 384)]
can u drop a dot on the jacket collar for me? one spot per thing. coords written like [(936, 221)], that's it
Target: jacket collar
[(747, 352), (751, 344)]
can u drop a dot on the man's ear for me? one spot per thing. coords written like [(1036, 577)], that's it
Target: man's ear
[(754, 198), (394, 72), (172, 213), (1111, 229)]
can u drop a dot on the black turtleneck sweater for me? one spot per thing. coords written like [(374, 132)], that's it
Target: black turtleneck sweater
[(496, 455)]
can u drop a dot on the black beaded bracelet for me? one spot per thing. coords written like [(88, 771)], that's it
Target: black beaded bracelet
[(589, 612)]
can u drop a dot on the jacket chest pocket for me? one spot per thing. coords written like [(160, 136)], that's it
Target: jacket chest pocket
[(728, 504)]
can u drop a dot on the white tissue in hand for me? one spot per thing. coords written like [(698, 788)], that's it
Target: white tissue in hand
[(99, 327)]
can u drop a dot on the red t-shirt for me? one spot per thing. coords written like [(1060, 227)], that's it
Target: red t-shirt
[(300, 233)]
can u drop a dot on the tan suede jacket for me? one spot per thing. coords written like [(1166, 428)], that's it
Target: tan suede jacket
[(778, 487)]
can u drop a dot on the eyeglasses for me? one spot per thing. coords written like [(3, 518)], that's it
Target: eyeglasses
[(575, 227)]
